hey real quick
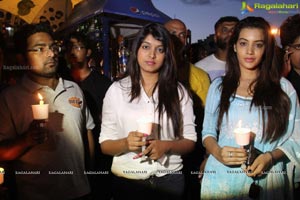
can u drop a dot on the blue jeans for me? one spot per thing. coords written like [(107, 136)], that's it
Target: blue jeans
[(168, 187)]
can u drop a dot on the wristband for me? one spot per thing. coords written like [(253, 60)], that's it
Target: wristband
[(272, 158)]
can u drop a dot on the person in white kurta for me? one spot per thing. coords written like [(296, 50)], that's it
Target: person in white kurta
[(252, 92), (228, 180)]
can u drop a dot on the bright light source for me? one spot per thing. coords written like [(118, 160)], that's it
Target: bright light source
[(274, 31)]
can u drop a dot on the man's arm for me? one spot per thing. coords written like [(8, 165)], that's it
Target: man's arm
[(91, 143), (14, 148)]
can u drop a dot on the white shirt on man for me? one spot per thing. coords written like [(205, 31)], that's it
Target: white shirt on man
[(54, 169), (213, 66)]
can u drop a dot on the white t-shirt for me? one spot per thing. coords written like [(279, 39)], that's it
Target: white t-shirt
[(213, 66), (119, 117), (55, 168)]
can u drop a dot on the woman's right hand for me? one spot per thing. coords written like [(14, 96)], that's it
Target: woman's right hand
[(232, 155), (135, 141)]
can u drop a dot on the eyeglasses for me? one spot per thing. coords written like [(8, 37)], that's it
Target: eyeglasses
[(295, 46), (76, 48), (45, 49)]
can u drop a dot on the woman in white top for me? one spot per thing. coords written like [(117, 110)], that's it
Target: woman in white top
[(149, 90)]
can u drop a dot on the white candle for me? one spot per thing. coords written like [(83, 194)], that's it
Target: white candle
[(144, 126), (1, 175), (242, 135), (40, 111)]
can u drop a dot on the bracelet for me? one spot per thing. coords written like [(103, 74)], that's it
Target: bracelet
[(272, 158)]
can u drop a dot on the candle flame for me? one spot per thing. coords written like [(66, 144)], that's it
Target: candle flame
[(40, 96)]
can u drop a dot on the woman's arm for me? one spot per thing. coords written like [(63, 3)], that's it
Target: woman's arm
[(158, 148), (116, 147), (264, 162), (226, 155)]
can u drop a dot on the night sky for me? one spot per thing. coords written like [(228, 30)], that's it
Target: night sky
[(201, 15)]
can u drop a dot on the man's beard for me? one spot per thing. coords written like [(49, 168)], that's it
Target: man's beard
[(45, 75), (221, 44)]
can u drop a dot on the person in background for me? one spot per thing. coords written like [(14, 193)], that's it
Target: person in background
[(215, 64), (150, 90), (12, 71), (48, 157), (290, 41), (94, 86), (251, 95), (197, 81)]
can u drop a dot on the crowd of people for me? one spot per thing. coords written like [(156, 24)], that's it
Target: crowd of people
[(166, 129)]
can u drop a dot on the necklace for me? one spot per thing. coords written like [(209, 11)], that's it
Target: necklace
[(245, 88), (149, 90)]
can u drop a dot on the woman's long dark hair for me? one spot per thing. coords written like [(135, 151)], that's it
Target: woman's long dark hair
[(267, 95), (167, 85)]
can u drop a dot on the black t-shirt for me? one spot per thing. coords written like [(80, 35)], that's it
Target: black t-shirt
[(294, 78), (94, 88)]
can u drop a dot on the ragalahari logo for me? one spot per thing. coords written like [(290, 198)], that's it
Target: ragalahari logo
[(246, 8)]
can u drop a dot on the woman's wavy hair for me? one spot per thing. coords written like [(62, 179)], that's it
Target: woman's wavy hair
[(268, 96), (167, 84)]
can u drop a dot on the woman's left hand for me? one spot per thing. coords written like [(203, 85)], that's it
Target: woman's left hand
[(155, 150), (261, 164)]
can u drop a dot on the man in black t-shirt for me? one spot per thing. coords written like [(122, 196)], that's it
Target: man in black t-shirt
[(94, 86)]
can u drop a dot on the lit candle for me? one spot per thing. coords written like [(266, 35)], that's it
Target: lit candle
[(41, 99), (40, 111), (144, 126), (242, 135), (1, 175)]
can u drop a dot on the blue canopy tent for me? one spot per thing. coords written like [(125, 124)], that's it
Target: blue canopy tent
[(117, 17)]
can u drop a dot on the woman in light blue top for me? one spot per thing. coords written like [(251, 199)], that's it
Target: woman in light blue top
[(252, 92)]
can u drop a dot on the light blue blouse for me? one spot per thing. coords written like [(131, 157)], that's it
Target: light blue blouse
[(227, 182)]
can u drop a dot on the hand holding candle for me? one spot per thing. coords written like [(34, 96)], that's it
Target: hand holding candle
[(242, 137)]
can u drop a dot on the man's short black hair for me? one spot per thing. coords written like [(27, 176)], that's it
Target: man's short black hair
[(290, 30), (226, 19), (21, 36), (82, 38)]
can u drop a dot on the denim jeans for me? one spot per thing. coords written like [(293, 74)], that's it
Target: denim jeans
[(168, 187)]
